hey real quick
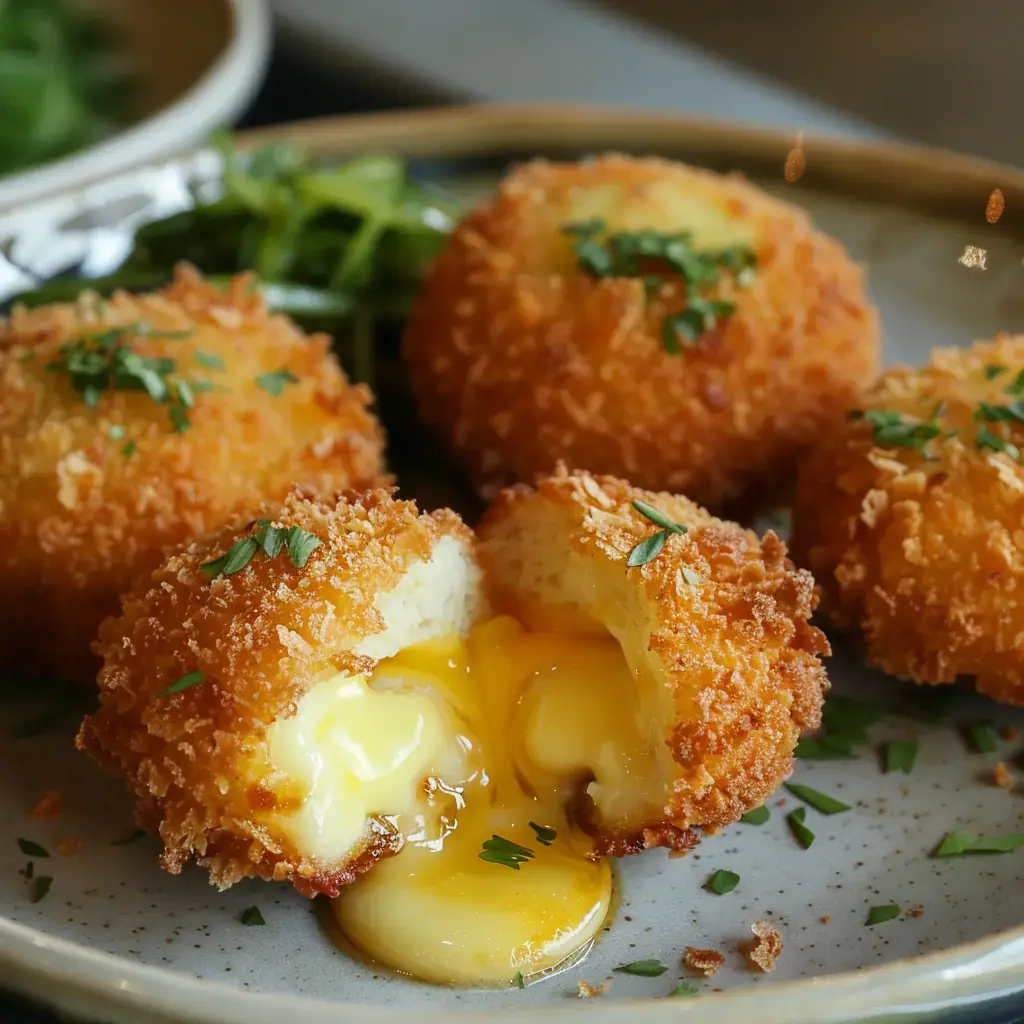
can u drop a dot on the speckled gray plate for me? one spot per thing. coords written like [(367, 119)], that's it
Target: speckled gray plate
[(116, 940)]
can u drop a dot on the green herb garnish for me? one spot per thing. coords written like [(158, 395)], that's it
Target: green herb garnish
[(545, 834), (980, 739), (209, 359), (31, 849), (959, 843), (499, 850), (1017, 387), (985, 439), (1012, 413), (900, 755), (645, 968), (723, 881), (893, 430), (132, 837), (39, 888), (274, 382), (517, 980), (758, 816), (993, 371), (824, 748), (795, 820), (252, 916), (188, 680), (684, 988), (269, 539), (878, 915), (819, 801), (129, 449), (649, 549)]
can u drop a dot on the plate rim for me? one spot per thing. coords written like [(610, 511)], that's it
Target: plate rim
[(114, 988)]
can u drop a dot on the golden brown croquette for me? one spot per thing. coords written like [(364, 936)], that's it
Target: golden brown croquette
[(128, 427), (519, 357), (909, 515)]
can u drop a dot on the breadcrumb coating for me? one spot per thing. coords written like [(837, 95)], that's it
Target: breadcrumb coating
[(90, 498), (718, 623), (918, 545), (262, 638), (518, 359)]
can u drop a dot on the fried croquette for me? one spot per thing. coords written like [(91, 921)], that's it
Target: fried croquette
[(638, 317), (210, 775), (129, 427), (909, 516), (715, 629), (302, 723)]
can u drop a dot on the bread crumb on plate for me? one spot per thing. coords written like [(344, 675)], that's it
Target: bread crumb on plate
[(766, 947), (707, 961), (584, 990), (48, 806)]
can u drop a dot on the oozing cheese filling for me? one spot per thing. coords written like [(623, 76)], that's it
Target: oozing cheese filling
[(456, 742)]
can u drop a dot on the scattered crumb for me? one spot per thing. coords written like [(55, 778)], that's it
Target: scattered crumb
[(905, 789), (69, 847), (707, 961), (826, 918), (48, 807), (1002, 776), (766, 947), (915, 912), (780, 803), (1010, 732), (587, 991)]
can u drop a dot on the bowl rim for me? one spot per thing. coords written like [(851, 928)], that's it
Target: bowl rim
[(216, 97), (80, 980)]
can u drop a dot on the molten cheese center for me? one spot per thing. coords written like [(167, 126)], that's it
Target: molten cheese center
[(454, 742)]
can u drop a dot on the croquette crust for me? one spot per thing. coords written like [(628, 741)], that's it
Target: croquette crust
[(738, 653), (518, 360), (920, 554), (262, 637), (81, 518)]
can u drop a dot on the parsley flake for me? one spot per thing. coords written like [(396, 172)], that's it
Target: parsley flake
[(795, 819), (1012, 413), (723, 881), (251, 916), (499, 850), (980, 739), (994, 370), (684, 988), (758, 816), (644, 968), (900, 756), (31, 849), (959, 843), (209, 360), (517, 980), (545, 834), (274, 381), (269, 539), (824, 748), (188, 680), (129, 449), (1017, 387), (649, 549), (879, 915), (893, 430), (819, 801), (985, 439), (39, 888)]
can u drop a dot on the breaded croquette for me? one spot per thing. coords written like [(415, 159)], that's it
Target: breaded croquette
[(909, 516), (130, 426), (302, 722), (642, 318)]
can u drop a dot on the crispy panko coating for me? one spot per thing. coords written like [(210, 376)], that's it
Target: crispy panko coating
[(716, 627), (911, 520), (92, 495), (263, 638), (518, 358)]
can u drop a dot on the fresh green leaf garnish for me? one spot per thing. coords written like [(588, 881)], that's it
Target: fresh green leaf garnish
[(179, 419), (210, 360), (878, 915), (274, 381), (954, 844), (299, 544), (132, 837), (795, 820), (39, 888), (1017, 387), (517, 980), (252, 916), (959, 843), (645, 968), (985, 439), (723, 881), (894, 430), (819, 801), (129, 449), (993, 371), (824, 748), (649, 549), (980, 739), (989, 413), (758, 816), (900, 755), (31, 849), (499, 850), (684, 988), (188, 680), (545, 834)]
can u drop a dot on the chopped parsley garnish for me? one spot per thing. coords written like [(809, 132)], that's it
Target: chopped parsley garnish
[(824, 748), (39, 888), (819, 801), (269, 539), (274, 381), (958, 843), (684, 988), (499, 850), (252, 916), (545, 834), (878, 915), (517, 980), (985, 439), (993, 371), (758, 816), (656, 257), (31, 849), (132, 837), (188, 680), (900, 755), (129, 449), (209, 360), (649, 549), (723, 881), (980, 739), (179, 418), (1017, 387), (1012, 413), (844, 725), (645, 968), (795, 820), (893, 430)]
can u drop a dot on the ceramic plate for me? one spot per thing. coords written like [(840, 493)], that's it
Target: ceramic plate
[(116, 940)]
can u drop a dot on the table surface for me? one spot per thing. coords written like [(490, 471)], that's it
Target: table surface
[(297, 88)]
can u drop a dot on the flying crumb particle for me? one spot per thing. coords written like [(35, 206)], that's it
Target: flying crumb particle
[(780, 803), (69, 847), (584, 990), (796, 161), (707, 961), (915, 912), (1010, 732), (995, 206), (973, 257), (1002, 776), (48, 806), (826, 918), (765, 948)]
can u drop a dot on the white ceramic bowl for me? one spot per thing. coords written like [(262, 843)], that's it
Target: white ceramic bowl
[(199, 62)]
